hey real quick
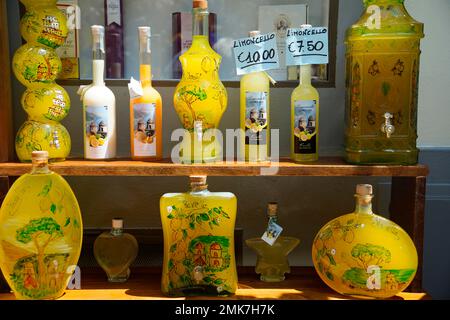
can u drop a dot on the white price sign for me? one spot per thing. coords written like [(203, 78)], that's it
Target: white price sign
[(307, 46), (256, 54)]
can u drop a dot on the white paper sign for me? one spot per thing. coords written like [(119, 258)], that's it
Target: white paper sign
[(256, 54), (307, 46)]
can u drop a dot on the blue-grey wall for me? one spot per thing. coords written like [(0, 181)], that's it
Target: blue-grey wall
[(305, 203)]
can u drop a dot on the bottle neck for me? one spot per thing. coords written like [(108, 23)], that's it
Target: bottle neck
[(305, 75), (364, 204), (199, 187), (273, 218), (145, 60), (40, 167), (98, 52), (116, 231), (200, 22), (368, 3)]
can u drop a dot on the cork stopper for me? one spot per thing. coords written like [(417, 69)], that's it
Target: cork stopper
[(39, 156), (254, 33), (198, 180), (145, 33), (202, 4), (364, 190), (272, 209), (117, 223)]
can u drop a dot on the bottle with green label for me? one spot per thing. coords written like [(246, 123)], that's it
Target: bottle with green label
[(255, 102), (305, 119)]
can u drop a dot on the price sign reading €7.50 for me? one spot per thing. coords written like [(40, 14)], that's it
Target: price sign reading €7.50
[(256, 54), (307, 46)]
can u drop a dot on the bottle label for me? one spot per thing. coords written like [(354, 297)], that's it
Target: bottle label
[(144, 130), (256, 121), (113, 13), (97, 136), (305, 127), (272, 233)]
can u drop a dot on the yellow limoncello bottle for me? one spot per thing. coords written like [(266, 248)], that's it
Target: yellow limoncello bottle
[(364, 254), (198, 231), (146, 111), (305, 119), (200, 98), (40, 233), (255, 123)]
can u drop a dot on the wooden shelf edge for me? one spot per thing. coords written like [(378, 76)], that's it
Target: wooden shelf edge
[(325, 167), (144, 284)]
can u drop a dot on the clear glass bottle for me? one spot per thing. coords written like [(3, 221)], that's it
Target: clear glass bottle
[(272, 261), (364, 254), (200, 98), (99, 106), (146, 111), (255, 114), (115, 251), (198, 231), (37, 65), (383, 58), (40, 233), (305, 119)]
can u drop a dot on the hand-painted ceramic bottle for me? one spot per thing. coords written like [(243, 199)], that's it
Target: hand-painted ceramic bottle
[(40, 233), (363, 254), (200, 98), (272, 261), (383, 58), (36, 65), (199, 242), (115, 251)]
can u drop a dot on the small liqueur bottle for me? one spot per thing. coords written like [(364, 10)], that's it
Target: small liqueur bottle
[(146, 111), (99, 107), (255, 115), (272, 260), (115, 251)]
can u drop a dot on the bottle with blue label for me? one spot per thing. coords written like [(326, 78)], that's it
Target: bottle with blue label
[(305, 119)]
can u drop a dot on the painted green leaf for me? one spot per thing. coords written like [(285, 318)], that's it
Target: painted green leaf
[(386, 88), (53, 208), (171, 264), (170, 216), (185, 234), (199, 220), (207, 279), (204, 216), (215, 222), (329, 275), (173, 248), (67, 222), (192, 226), (225, 214), (326, 234), (350, 221), (218, 282), (331, 258), (216, 210)]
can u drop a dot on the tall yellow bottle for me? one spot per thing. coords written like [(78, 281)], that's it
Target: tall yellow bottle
[(305, 119), (146, 111), (200, 98), (40, 233), (255, 115), (198, 231)]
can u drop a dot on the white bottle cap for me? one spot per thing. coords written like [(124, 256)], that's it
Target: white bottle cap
[(364, 190), (117, 223), (97, 31), (254, 33)]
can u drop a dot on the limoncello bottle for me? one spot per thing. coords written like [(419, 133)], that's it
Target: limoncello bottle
[(272, 259), (305, 119), (364, 254), (146, 111), (200, 98), (99, 106), (40, 233), (198, 231), (255, 115)]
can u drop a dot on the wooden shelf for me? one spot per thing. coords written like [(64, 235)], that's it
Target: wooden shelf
[(144, 284), (325, 167)]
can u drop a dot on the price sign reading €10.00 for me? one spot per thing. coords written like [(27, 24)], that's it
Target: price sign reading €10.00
[(256, 54), (307, 46)]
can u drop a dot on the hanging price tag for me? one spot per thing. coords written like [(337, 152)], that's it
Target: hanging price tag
[(256, 54), (307, 46)]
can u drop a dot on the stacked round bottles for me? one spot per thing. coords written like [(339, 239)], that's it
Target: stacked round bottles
[(40, 233), (36, 65)]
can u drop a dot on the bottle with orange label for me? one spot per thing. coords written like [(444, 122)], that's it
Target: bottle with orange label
[(146, 108)]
